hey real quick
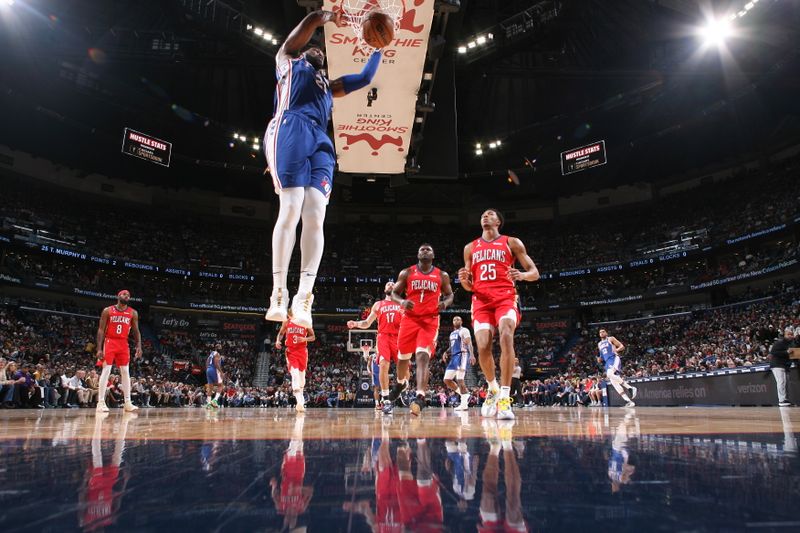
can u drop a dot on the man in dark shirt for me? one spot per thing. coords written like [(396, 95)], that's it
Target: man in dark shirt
[(779, 363)]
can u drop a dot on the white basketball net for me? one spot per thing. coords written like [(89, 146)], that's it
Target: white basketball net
[(356, 12)]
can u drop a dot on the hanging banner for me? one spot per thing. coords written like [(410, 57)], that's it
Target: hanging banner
[(372, 126)]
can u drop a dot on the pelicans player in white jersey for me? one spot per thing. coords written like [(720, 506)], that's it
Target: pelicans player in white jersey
[(460, 352), (301, 158), (609, 349)]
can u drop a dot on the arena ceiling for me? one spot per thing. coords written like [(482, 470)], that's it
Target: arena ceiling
[(632, 72)]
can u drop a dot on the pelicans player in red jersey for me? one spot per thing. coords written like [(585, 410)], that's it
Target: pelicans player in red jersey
[(297, 339), (423, 286), (291, 495), (389, 314), (116, 322), (490, 274)]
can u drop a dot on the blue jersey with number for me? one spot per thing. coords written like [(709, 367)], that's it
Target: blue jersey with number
[(607, 352), (210, 360), (303, 89), (458, 353)]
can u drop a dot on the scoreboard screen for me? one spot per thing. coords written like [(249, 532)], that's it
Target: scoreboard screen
[(146, 147), (583, 157)]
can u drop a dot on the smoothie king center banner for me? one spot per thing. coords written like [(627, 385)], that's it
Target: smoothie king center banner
[(372, 126)]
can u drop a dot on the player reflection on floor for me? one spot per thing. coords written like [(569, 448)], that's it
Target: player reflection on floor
[(291, 497), (99, 503), (499, 436), (620, 471)]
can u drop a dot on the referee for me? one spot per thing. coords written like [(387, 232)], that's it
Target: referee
[(779, 363)]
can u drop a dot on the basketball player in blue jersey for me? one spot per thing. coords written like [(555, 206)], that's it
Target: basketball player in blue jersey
[(609, 349), (214, 377), (301, 158), (460, 352)]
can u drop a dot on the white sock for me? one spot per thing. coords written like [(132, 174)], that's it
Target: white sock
[(505, 392), (312, 238), (625, 397), (285, 233), (493, 386), (298, 395), (465, 399), (103, 384), (421, 393), (384, 393), (126, 383)]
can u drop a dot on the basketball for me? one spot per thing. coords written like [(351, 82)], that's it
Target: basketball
[(378, 29)]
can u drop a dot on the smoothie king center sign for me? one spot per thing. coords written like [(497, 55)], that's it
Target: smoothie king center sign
[(372, 126)]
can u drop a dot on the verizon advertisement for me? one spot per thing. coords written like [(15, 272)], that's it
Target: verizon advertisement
[(372, 127)]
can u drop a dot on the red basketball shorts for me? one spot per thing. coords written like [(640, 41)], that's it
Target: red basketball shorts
[(297, 359), (387, 347), (116, 352), (417, 335), (488, 310), (420, 504)]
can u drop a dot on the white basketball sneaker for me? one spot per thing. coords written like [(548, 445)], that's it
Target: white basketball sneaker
[(504, 411), (489, 407), (278, 305), (129, 407), (102, 407), (301, 309)]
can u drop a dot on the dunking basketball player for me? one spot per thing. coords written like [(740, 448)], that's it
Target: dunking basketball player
[(301, 157), (214, 377), (609, 349), (423, 286), (460, 353), (490, 274), (389, 314), (297, 339), (116, 322)]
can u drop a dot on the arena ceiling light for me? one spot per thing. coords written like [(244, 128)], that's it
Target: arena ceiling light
[(479, 41), (262, 33), (716, 31)]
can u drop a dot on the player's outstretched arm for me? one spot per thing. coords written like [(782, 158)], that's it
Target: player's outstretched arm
[(101, 332), (353, 82), (465, 273), (367, 322), (137, 336), (400, 289), (529, 271), (303, 32), (281, 333), (447, 291)]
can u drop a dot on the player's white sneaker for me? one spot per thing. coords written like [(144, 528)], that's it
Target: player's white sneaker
[(278, 306), (504, 411), (102, 407), (633, 390), (129, 407), (489, 407), (630, 404), (300, 408), (461, 407), (301, 309)]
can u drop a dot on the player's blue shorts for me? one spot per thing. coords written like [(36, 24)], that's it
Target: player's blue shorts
[(299, 153), (376, 374), (456, 363), (212, 377)]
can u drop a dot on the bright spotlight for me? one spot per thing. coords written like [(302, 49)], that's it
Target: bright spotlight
[(462, 49), (258, 31), (481, 39), (471, 44), (478, 152), (716, 31), (255, 146), (9, 2)]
